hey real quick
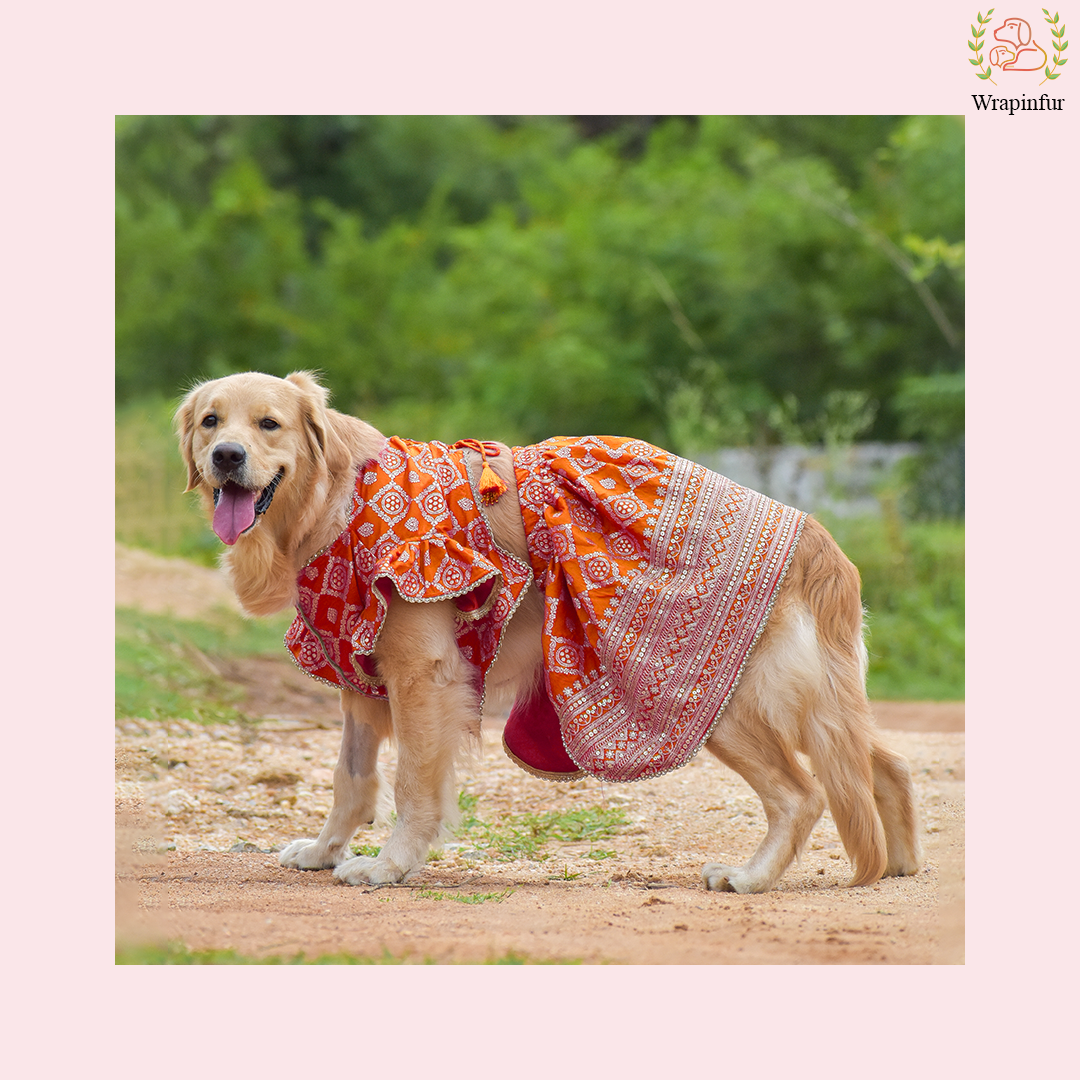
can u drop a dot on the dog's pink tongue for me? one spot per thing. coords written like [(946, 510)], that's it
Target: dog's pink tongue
[(235, 511)]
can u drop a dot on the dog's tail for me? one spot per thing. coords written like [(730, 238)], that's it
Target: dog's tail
[(841, 761), (838, 735)]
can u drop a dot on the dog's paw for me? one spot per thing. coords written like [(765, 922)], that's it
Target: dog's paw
[(310, 855), (363, 870), (721, 878)]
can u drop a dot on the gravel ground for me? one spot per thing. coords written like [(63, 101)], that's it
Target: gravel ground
[(201, 811)]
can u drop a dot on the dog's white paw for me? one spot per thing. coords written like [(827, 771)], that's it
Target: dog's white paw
[(311, 855), (721, 878), (363, 870)]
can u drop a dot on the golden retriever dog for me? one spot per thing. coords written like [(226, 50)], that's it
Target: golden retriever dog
[(277, 470)]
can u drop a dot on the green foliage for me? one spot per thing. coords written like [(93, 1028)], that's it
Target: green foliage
[(913, 590), (163, 665), (931, 407), (931, 410), (460, 276)]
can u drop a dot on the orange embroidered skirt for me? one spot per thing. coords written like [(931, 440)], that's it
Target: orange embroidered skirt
[(658, 576)]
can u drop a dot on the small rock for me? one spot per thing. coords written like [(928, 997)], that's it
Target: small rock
[(177, 801)]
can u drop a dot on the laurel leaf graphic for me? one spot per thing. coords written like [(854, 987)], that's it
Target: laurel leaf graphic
[(1049, 75), (976, 45)]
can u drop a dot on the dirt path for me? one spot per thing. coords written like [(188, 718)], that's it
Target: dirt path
[(200, 811)]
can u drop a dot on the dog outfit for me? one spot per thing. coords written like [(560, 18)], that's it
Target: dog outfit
[(658, 576)]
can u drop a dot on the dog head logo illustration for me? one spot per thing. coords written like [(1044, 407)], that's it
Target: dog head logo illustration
[(1020, 52), (1015, 48)]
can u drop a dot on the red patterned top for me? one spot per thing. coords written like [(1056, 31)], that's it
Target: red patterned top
[(413, 526)]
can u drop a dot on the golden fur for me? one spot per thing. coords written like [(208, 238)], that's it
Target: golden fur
[(801, 692)]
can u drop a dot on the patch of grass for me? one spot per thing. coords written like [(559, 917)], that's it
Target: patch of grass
[(167, 667), (467, 803), (370, 850), (176, 953), (523, 836), (152, 510), (462, 898)]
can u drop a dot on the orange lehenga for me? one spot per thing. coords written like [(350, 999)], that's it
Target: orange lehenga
[(658, 576)]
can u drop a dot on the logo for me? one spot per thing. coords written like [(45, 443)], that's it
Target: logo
[(1016, 53)]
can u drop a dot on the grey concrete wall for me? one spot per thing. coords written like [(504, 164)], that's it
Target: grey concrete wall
[(842, 481)]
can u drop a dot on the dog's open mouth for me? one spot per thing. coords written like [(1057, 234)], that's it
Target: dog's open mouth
[(236, 509)]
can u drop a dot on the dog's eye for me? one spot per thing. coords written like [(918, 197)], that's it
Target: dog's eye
[(269, 425), (209, 421)]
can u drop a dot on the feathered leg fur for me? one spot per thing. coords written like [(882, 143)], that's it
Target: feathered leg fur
[(803, 692)]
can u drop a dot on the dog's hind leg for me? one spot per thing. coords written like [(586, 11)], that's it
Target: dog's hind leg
[(434, 706), (792, 799), (895, 798), (356, 785), (806, 681), (800, 693)]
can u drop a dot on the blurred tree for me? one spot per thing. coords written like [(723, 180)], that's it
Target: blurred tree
[(690, 280)]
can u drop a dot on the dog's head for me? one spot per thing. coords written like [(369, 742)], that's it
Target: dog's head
[(1015, 31), (252, 441)]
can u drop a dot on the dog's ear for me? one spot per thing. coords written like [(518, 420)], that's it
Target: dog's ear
[(323, 425), (1023, 31), (315, 397), (184, 425)]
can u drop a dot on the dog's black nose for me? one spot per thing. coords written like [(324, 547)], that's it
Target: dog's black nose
[(228, 456)]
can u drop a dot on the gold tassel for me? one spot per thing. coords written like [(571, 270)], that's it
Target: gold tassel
[(491, 486)]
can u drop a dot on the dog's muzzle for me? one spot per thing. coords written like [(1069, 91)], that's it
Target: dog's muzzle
[(236, 508)]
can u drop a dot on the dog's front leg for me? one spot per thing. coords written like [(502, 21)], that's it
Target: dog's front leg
[(356, 786), (433, 705)]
